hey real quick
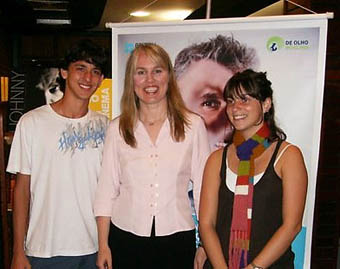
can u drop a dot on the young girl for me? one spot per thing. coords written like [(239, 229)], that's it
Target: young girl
[(254, 190)]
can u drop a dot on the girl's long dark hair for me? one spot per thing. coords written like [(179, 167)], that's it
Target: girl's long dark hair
[(256, 85)]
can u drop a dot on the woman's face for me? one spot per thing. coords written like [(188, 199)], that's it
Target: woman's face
[(246, 113), (150, 81)]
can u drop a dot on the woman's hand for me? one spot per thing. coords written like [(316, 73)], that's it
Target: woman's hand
[(200, 258)]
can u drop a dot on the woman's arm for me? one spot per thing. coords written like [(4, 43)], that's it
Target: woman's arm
[(107, 190), (108, 182), (208, 210), (200, 153), (104, 259), (292, 170)]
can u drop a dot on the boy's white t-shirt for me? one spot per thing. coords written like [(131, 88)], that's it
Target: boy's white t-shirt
[(63, 157)]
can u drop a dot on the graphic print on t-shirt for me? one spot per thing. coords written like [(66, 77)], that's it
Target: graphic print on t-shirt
[(81, 136)]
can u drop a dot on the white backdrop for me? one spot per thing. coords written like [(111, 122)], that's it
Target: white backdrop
[(295, 67)]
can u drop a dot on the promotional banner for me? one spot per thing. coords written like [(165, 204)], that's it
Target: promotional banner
[(291, 49), (101, 100)]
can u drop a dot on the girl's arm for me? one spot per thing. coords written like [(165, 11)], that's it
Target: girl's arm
[(208, 210)]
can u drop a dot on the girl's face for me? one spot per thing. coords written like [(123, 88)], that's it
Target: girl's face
[(246, 113)]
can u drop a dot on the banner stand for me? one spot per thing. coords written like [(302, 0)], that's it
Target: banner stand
[(290, 48)]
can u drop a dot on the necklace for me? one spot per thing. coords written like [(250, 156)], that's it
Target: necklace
[(153, 122)]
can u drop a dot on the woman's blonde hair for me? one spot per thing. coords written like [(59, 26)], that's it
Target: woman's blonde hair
[(129, 105)]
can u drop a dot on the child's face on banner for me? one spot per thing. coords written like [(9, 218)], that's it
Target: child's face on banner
[(202, 87)]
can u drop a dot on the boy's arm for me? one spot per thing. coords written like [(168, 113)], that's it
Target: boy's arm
[(20, 220)]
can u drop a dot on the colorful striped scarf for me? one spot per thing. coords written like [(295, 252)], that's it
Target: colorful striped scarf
[(247, 152)]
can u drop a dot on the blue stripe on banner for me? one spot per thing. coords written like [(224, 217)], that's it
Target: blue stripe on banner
[(299, 245)]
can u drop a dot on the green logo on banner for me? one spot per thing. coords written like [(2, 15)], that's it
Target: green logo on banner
[(275, 43)]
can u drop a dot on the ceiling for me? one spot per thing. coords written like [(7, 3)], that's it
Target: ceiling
[(21, 16)]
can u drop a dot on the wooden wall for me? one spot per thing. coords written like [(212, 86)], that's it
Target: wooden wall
[(16, 49), (5, 53), (48, 47), (54, 46), (326, 231), (326, 228)]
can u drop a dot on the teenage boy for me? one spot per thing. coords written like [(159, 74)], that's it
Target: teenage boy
[(56, 155)]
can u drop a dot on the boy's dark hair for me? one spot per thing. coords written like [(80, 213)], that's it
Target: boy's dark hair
[(85, 50)]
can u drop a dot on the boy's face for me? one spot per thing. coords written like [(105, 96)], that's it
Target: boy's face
[(202, 86), (82, 79)]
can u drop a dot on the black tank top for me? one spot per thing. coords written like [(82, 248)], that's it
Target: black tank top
[(266, 213)]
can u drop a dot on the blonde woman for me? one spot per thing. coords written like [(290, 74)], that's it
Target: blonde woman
[(152, 151)]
